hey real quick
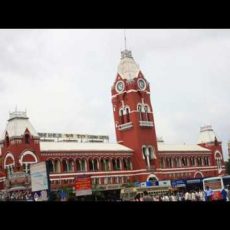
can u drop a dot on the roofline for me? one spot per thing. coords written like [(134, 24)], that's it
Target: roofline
[(88, 150)]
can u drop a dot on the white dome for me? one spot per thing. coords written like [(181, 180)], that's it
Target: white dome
[(17, 124), (128, 68), (207, 135)]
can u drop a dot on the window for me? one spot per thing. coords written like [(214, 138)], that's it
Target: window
[(50, 166), (127, 115), (192, 161), (7, 141), (146, 113), (161, 162), (140, 112), (27, 138), (121, 116), (199, 161)]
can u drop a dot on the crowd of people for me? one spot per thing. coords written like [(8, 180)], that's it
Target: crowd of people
[(181, 195), (23, 195), (193, 195)]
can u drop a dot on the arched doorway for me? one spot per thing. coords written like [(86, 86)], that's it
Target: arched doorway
[(152, 178)]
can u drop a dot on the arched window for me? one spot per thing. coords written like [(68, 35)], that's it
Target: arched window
[(192, 161), (91, 168), (127, 115), (125, 164), (95, 161), (64, 165), (57, 166), (151, 153), (27, 138), (7, 141), (140, 112), (102, 165), (175, 162), (84, 165), (146, 113), (79, 165), (205, 161), (161, 162), (121, 116), (218, 159), (199, 161), (50, 166), (71, 165), (116, 164), (184, 161), (107, 168)]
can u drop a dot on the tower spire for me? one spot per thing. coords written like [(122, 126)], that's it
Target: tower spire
[(125, 38)]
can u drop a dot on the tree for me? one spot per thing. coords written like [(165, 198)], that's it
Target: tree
[(227, 166)]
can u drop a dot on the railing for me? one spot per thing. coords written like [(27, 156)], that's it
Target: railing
[(125, 126), (146, 123)]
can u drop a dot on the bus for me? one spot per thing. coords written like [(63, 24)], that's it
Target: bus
[(217, 184), (129, 194)]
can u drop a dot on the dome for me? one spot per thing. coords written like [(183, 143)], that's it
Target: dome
[(207, 135), (128, 68), (17, 124)]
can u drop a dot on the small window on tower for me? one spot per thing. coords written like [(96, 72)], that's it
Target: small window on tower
[(122, 116), (27, 138), (140, 112), (127, 114), (7, 141), (146, 113)]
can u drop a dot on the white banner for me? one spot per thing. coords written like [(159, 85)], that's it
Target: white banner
[(39, 178)]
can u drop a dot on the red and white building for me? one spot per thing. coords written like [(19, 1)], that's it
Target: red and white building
[(137, 156)]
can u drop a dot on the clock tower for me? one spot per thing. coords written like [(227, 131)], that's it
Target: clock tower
[(133, 116)]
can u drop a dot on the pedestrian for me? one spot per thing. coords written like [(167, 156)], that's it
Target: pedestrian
[(224, 194), (147, 197), (208, 193), (138, 197)]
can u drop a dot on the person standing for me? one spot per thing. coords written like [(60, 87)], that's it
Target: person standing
[(208, 193), (147, 197), (224, 194)]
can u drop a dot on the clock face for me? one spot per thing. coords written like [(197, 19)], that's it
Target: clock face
[(141, 84), (120, 86)]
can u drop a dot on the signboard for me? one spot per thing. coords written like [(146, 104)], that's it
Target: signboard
[(143, 184), (39, 177), (178, 183), (166, 183), (83, 186), (194, 181)]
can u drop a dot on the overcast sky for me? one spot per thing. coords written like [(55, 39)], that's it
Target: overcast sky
[(64, 77)]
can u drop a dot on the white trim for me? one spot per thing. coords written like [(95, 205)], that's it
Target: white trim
[(198, 167), (197, 173), (103, 176), (100, 172), (152, 175), (27, 153), (9, 155), (130, 91), (136, 111), (216, 156), (65, 178), (204, 170)]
